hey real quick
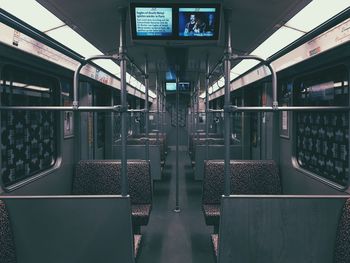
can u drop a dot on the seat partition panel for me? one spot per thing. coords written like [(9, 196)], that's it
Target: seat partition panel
[(276, 229), (71, 229)]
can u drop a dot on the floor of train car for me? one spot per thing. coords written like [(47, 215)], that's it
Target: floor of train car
[(176, 237)]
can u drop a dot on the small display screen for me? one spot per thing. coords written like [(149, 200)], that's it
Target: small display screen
[(170, 86), (154, 21), (198, 22), (184, 86)]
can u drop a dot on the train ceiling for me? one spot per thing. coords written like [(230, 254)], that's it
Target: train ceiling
[(98, 22)]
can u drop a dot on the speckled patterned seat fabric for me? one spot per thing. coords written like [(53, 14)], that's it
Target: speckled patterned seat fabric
[(247, 177), (342, 243), (7, 245), (103, 177)]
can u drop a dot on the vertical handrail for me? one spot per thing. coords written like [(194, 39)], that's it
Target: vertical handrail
[(146, 109), (158, 102), (191, 116), (177, 205), (123, 61), (164, 113), (227, 69), (207, 109), (197, 112)]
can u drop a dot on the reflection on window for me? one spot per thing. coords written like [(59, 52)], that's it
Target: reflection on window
[(28, 138), (322, 145)]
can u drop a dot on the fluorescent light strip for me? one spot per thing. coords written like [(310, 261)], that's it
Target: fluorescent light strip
[(316, 13), (74, 41), (311, 16), (48, 23), (278, 40), (32, 13), (24, 86)]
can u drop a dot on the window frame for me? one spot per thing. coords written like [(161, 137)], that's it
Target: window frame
[(293, 117), (58, 120)]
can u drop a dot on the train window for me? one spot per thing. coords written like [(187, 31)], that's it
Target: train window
[(28, 138), (322, 138)]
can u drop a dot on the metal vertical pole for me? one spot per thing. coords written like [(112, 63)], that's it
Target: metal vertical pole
[(164, 112), (207, 109), (189, 124), (177, 206), (111, 130), (77, 139), (158, 104), (197, 111), (122, 54), (193, 118), (227, 69), (146, 109)]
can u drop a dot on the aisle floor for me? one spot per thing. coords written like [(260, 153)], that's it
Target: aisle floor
[(176, 237)]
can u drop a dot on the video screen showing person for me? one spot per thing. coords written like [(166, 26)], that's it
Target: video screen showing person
[(153, 21), (184, 86), (197, 22)]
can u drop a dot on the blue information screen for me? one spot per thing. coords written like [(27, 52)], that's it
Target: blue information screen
[(154, 21), (170, 86)]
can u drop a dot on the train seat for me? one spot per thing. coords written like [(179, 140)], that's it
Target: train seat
[(202, 142), (247, 177), (140, 139), (7, 245), (103, 177), (342, 244)]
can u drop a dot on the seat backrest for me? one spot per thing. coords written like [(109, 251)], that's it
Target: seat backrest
[(342, 243), (255, 177), (213, 181), (7, 244), (103, 177), (247, 177)]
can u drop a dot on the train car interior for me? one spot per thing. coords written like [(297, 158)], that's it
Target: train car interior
[(173, 131)]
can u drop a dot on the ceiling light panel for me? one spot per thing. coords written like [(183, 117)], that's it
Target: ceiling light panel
[(32, 13), (317, 12)]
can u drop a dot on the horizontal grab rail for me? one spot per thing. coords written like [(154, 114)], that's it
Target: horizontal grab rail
[(118, 108), (233, 108), (292, 108)]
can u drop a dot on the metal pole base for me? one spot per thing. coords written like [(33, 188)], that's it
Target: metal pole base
[(177, 210)]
